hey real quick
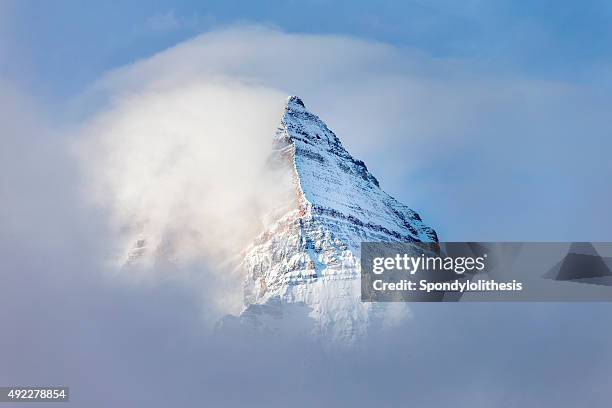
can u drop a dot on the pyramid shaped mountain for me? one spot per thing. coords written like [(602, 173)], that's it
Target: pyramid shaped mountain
[(582, 264), (309, 257)]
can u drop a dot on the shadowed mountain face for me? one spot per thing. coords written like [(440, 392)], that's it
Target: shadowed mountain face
[(307, 261), (582, 264)]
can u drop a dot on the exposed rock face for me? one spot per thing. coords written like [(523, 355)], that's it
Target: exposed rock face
[(309, 257)]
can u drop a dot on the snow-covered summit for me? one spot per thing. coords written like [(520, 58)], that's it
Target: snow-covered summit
[(337, 185), (295, 101), (302, 273), (310, 255)]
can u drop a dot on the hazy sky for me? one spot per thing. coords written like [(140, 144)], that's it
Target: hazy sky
[(489, 118)]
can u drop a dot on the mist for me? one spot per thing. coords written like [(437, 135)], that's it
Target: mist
[(183, 170), (169, 147)]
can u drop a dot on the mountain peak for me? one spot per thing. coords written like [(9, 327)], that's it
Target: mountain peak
[(310, 255), (332, 182), (295, 100)]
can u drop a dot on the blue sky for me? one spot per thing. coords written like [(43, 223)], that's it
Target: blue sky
[(57, 47)]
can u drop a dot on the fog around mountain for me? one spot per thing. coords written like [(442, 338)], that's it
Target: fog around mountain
[(70, 317)]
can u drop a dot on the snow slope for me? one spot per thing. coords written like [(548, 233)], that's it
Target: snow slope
[(309, 257)]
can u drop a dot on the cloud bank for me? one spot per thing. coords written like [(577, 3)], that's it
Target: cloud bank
[(173, 146), (465, 144), (482, 145)]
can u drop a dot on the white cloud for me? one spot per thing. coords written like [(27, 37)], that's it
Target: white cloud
[(176, 140)]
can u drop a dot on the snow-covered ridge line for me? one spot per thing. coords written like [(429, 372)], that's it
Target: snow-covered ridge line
[(310, 256), (318, 156)]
